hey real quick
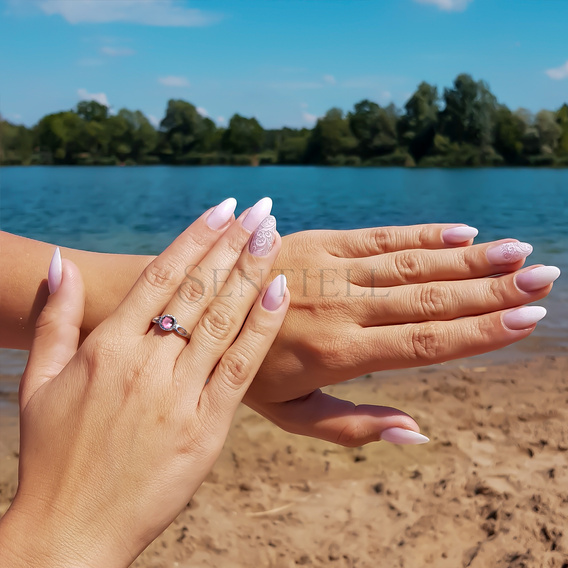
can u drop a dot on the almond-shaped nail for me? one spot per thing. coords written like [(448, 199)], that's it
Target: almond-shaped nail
[(403, 436), (508, 253), (456, 235), (537, 278), (262, 239), (274, 295), (220, 216), (55, 272), (523, 318), (260, 210)]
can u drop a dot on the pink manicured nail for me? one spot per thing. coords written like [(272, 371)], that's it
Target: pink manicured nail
[(220, 216), (55, 272), (402, 436), (456, 235), (524, 317), (262, 239), (260, 210), (274, 295), (537, 278), (507, 253)]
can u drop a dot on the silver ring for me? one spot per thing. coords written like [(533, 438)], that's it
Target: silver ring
[(167, 322)]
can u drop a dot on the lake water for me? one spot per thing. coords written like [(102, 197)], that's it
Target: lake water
[(141, 209)]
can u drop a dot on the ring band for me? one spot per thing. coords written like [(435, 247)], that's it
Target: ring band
[(167, 322)]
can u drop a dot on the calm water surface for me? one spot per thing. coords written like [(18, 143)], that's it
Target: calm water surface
[(141, 209)]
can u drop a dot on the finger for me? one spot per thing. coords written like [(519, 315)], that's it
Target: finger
[(207, 282), (240, 363), (360, 243), (325, 417), (58, 327), (164, 274), (434, 301), (224, 317), (415, 266), (417, 344)]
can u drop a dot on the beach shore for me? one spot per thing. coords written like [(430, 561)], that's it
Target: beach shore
[(489, 490)]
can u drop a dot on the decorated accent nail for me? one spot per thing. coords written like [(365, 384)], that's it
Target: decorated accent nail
[(456, 235), (403, 436), (274, 295), (537, 278), (523, 318), (262, 239), (220, 216), (507, 253), (260, 210), (55, 272)]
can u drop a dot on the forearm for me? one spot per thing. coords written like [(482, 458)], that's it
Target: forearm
[(23, 287)]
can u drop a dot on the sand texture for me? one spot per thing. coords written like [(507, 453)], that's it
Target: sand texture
[(490, 490)]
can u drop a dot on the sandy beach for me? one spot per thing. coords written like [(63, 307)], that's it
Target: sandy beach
[(490, 490)]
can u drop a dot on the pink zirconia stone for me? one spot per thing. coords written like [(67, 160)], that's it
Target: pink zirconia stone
[(167, 323)]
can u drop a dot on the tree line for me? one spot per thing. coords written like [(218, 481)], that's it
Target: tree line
[(464, 126)]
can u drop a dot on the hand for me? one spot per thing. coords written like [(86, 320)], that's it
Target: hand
[(118, 435), (388, 298)]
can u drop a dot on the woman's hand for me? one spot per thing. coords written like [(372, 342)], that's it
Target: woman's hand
[(118, 435), (388, 298)]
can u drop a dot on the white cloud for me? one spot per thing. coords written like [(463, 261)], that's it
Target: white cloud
[(304, 105), (201, 111), (153, 121), (174, 81), (448, 5), (221, 120), (558, 73), (117, 51), (309, 118), (101, 98), (144, 12), (329, 79)]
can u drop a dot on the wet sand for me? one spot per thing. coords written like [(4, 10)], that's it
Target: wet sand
[(490, 490)]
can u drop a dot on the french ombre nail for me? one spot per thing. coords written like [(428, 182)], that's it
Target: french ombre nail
[(221, 215), (523, 318), (274, 295), (55, 272), (262, 239), (537, 278), (259, 211), (403, 436), (456, 235), (508, 253)]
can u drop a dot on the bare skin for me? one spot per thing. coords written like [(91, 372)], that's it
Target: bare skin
[(362, 301)]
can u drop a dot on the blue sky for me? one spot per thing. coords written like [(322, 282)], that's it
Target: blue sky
[(283, 61)]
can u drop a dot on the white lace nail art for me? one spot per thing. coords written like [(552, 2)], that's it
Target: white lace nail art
[(262, 239)]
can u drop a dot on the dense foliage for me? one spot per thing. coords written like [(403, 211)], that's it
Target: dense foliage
[(466, 126)]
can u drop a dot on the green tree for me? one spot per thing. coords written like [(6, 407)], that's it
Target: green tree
[(562, 121), (509, 131), (60, 135), (92, 111), (375, 128), (244, 135), (16, 143), (331, 138), (549, 131)]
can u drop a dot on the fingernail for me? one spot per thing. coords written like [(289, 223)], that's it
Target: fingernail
[(55, 272), (524, 317), (262, 239), (537, 278), (260, 210), (220, 216), (507, 253), (274, 295), (402, 436), (456, 235)]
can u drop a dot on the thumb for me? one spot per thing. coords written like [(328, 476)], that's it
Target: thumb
[(58, 326), (339, 421)]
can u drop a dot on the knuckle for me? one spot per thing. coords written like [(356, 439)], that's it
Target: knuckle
[(337, 350), (496, 291), (381, 240), (234, 368), (217, 323), (408, 267), (351, 435), (235, 244), (191, 291), (426, 342), (466, 259), (432, 301), (158, 274)]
